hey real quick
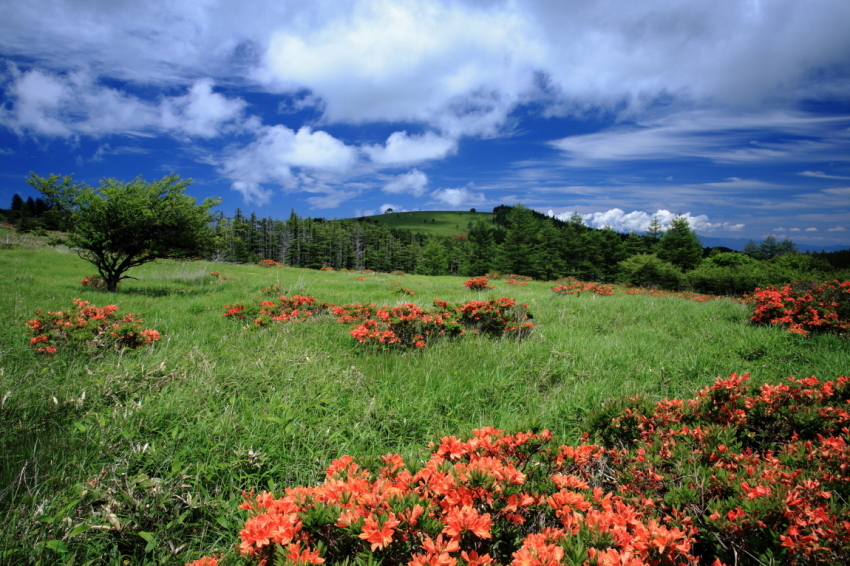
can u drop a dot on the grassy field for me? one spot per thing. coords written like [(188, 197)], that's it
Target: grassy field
[(140, 457), (444, 223)]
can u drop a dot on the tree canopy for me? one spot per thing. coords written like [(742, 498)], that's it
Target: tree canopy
[(680, 245), (121, 225)]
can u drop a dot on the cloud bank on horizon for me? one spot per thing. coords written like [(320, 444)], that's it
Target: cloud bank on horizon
[(734, 114)]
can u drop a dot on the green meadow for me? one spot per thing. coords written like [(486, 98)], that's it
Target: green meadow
[(432, 223), (141, 457)]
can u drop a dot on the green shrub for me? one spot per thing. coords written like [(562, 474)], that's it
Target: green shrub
[(648, 270)]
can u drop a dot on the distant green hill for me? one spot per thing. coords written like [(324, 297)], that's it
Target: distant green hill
[(442, 223)]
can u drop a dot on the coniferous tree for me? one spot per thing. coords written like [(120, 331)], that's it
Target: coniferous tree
[(751, 248), (479, 260), (635, 244), (653, 235), (549, 264), (18, 203), (517, 252), (680, 245), (434, 260)]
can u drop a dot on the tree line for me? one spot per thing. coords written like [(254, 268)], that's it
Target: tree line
[(520, 241), (121, 225)]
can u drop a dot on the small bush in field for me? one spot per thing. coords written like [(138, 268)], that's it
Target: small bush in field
[(572, 286), (478, 284), (410, 326), (87, 327), (295, 308), (269, 263)]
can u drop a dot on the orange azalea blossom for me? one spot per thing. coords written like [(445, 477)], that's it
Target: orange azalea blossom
[(459, 521), (473, 559), (379, 535), (266, 529), (306, 556), (436, 552), (205, 561), (537, 551)]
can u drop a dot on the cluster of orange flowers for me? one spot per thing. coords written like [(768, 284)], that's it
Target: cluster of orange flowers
[(478, 284), (762, 471), (804, 308), (404, 326), (730, 474), (492, 499), (87, 327), (294, 308), (269, 263), (410, 326), (574, 286)]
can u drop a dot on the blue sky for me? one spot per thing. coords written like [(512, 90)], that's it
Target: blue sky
[(735, 113)]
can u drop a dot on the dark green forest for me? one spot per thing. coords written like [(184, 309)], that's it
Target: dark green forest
[(513, 240)]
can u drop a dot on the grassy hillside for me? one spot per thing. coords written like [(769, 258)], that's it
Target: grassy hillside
[(141, 457), (444, 223)]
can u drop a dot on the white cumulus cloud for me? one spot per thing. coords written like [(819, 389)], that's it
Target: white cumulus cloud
[(414, 182), (458, 197), (401, 148), (304, 160), (639, 221)]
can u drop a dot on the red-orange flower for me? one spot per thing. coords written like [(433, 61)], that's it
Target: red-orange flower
[(379, 535)]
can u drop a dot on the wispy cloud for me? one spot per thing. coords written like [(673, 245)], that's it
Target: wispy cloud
[(822, 175), (716, 136)]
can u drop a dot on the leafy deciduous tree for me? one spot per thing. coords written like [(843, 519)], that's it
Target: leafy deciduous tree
[(118, 225)]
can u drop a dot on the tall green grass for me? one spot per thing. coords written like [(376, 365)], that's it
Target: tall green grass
[(140, 457)]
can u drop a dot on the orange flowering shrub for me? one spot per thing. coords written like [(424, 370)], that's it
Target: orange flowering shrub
[(491, 499), (410, 326), (804, 307), (353, 313), (761, 472), (739, 473), (478, 284), (295, 308), (87, 327), (575, 287), (496, 317), (404, 327), (516, 282), (269, 263)]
